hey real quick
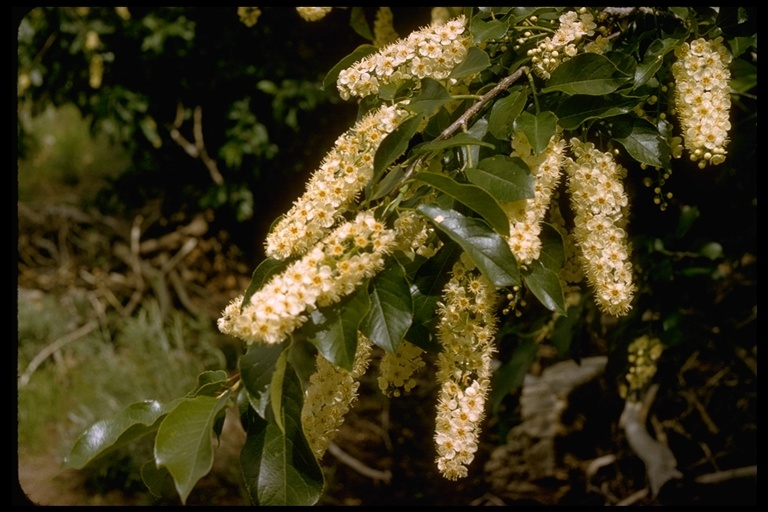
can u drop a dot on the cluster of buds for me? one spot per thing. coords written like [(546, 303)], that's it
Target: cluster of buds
[(644, 352)]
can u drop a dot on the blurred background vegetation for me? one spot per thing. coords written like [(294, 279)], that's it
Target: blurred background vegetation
[(155, 146)]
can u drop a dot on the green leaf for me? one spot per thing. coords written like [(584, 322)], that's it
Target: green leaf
[(511, 375), (472, 196), (641, 139), (475, 61), (483, 31), (545, 285), (257, 366), (359, 24), (432, 96), (654, 58), (107, 435), (276, 390), (586, 73), (487, 249), (458, 140), (565, 329), (261, 275), (183, 444), (743, 76), (579, 108), (278, 466), (552, 254), (391, 312), (538, 128), (739, 45), (506, 178), (333, 329), (395, 144), (358, 54), (504, 112), (158, 480), (209, 383)]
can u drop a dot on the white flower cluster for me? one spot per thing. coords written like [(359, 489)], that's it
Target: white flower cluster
[(430, 52), (600, 206), (555, 50), (333, 269), (329, 396), (525, 216), (466, 331), (414, 234), (702, 98), (344, 172), (396, 370), (313, 13)]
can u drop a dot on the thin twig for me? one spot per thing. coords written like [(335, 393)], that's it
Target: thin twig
[(384, 476), (728, 474)]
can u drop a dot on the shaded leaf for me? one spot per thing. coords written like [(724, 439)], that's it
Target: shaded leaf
[(158, 480), (504, 112), (579, 108), (359, 23), (278, 466), (586, 73), (395, 144), (431, 97), (261, 275), (209, 383), (653, 59), (391, 308), (257, 366), (458, 140), (538, 128), (472, 196), (483, 31), (510, 376), (183, 444), (333, 329), (475, 61), (107, 435), (506, 178), (545, 285), (552, 255), (641, 139), (487, 249)]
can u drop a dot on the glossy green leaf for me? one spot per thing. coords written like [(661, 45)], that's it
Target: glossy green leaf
[(510, 376), (538, 128), (472, 196), (158, 480), (475, 61), (276, 390), (107, 435), (740, 45), (209, 383), (586, 73), (545, 285), (487, 249), (458, 140), (653, 59), (257, 366), (579, 108), (333, 329), (279, 468), (552, 254), (391, 308), (505, 111), (506, 178), (395, 144), (432, 96), (641, 140), (483, 31), (358, 54), (264, 271), (183, 444)]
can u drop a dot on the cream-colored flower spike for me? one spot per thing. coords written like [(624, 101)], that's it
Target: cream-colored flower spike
[(703, 99), (332, 270), (555, 50), (466, 331), (600, 206), (430, 52), (344, 172)]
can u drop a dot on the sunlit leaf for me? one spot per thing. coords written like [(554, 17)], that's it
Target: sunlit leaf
[(545, 285), (579, 108), (641, 139), (586, 73), (458, 140), (506, 178), (257, 366), (432, 96), (391, 311), (395, 144), (475, 61), (487, 249), (183, 444), (472, 196), (505, 111), (538, 128), (483, 31), (358, 54)]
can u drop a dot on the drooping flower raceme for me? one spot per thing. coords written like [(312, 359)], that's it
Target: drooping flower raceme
[(344, 172), (466, 330), (331, 392), (525, 216), (600, 206), (353, 251), (702, 98), (430, 52), (555, 50)]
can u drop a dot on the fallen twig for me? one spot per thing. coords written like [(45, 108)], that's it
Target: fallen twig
[(728, 474), (384, 476)]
